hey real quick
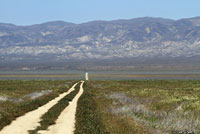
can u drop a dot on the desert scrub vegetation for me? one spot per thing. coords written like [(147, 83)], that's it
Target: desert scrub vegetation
[(24, 96), (53, 113), (152, 106), (87, 119)]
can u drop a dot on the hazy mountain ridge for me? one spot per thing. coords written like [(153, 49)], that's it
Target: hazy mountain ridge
[(140, 37)]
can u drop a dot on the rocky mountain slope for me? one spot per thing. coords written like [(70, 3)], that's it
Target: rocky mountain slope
[(140, 37)]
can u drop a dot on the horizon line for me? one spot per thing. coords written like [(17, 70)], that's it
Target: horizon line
[(98, 20)]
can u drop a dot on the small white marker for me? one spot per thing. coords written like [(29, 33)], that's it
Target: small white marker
[(86, 76)]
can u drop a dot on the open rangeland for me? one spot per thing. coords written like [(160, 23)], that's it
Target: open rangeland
[(147, 106), (100, 107)]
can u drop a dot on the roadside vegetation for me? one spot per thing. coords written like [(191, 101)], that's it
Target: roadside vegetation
[(20, 97), (87, 117), (147, 106), (53, 113)]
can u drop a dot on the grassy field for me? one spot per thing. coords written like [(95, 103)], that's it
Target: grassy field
[(111, 107), (147, 106), (19, 97)]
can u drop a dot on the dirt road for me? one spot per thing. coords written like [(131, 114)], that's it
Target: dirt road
[(66, 121), (31, 120)]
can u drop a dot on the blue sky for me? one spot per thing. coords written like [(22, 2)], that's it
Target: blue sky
[(27, 12)]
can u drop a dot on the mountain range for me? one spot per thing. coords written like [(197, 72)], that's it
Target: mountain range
[(133, 39)]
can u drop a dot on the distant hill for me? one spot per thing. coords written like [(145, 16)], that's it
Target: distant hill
[(140, 38)]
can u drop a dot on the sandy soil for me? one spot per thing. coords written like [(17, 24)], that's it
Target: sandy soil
[(65, 124), (31, 120)]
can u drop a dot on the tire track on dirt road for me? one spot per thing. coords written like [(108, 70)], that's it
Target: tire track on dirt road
[(65, 124)]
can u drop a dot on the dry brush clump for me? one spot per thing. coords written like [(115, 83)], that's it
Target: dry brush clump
[(29, 96), (37, 94)]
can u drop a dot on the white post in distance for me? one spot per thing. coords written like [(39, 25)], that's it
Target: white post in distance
[(86, 76)]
